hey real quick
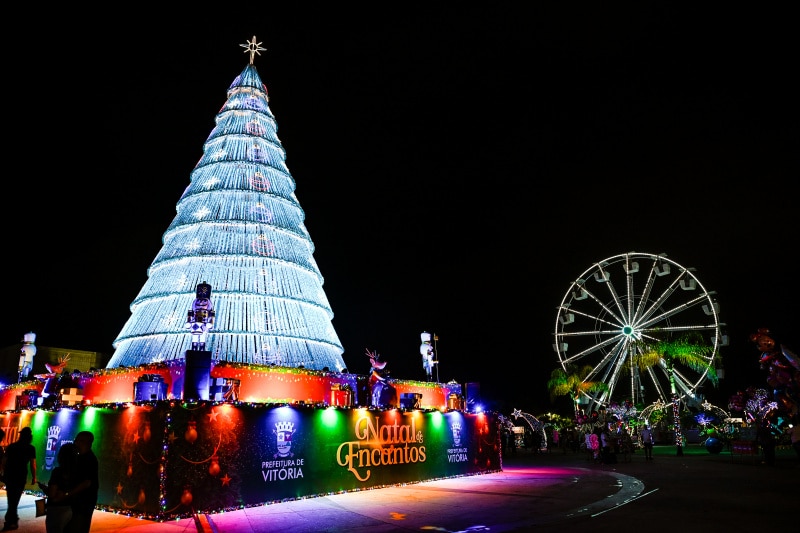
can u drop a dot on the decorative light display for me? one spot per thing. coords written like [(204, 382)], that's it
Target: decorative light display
[(240, 228), (676, 414), (167, 460), (624, 411), (755, 404), (534, 423)]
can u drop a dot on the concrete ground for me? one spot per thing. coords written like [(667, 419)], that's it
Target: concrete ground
[(552, 491)]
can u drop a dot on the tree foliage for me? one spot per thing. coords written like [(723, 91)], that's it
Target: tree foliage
[(572, 382), (689, 351)]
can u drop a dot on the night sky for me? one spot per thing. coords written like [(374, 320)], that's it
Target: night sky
[(458, 168)]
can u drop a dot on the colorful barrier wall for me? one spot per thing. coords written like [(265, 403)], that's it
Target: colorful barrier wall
[(162, 460), (263, 384)]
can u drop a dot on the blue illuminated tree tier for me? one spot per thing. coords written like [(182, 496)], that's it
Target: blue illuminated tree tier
[(240, 228)]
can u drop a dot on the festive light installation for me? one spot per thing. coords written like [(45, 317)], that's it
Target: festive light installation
[(240, 228), (676, 415), (534, 423)]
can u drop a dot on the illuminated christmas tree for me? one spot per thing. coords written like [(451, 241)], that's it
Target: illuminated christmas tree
[(239, 228)]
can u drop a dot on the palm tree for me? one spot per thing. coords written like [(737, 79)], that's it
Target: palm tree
[(686, 350), (572, 382)]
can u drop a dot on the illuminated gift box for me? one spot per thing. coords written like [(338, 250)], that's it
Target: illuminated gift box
[(71, 396), (410, 400), (224, 389), (29, 399), (341, 397), (144, 391)]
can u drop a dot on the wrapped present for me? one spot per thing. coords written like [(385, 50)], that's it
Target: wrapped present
[(28, 399), (224, 390), (231, 390), (71, 396), (144, 391)]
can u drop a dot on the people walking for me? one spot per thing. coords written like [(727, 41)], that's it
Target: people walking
[(587, 443), (84, 495), (594, 444), (63, 479), (607, 454), (647, 442), (19, 457), (625, 445)]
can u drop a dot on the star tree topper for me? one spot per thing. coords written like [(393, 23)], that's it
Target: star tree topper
[(253, 48)]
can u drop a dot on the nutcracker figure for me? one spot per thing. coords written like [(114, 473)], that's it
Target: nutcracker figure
[(200, 319)]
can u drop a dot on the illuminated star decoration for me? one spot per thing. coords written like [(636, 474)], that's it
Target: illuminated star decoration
[(253, 48), (517, 413)]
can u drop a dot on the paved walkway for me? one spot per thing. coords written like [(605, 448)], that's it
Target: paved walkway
[(547, 492)]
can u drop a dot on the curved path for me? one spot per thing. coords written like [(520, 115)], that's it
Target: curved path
[(548, 492)]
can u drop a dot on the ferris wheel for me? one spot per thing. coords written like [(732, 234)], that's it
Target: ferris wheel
[(626, 301)]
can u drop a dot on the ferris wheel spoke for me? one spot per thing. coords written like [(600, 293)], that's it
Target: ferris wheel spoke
[(649, 316), (684, 387), (567, 315), (591, 333), (673, 311), (666, 293), (618, 302), (616, 367), (658, 384), (592, 349), (605, 369), (603, 307), (648, 289)]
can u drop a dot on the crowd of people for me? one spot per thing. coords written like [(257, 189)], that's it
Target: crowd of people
[(601, 445)]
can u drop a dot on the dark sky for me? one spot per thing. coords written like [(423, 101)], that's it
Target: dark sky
[(459, 168)]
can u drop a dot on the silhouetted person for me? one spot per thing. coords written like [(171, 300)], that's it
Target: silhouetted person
[(537, 442), (20, 456), (647, 442), (766, 438), (511, 441), (84, 495), (607, 454), (63, 480)]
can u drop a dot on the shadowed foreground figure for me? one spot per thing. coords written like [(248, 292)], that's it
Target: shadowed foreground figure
[(84, 495), (19, 456)]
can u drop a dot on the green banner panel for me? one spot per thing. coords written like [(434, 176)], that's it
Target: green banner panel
[(167, 459)]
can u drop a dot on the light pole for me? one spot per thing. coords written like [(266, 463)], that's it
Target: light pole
[(436, 355)]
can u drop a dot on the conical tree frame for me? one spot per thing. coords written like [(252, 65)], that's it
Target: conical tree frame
[(240, 228)]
